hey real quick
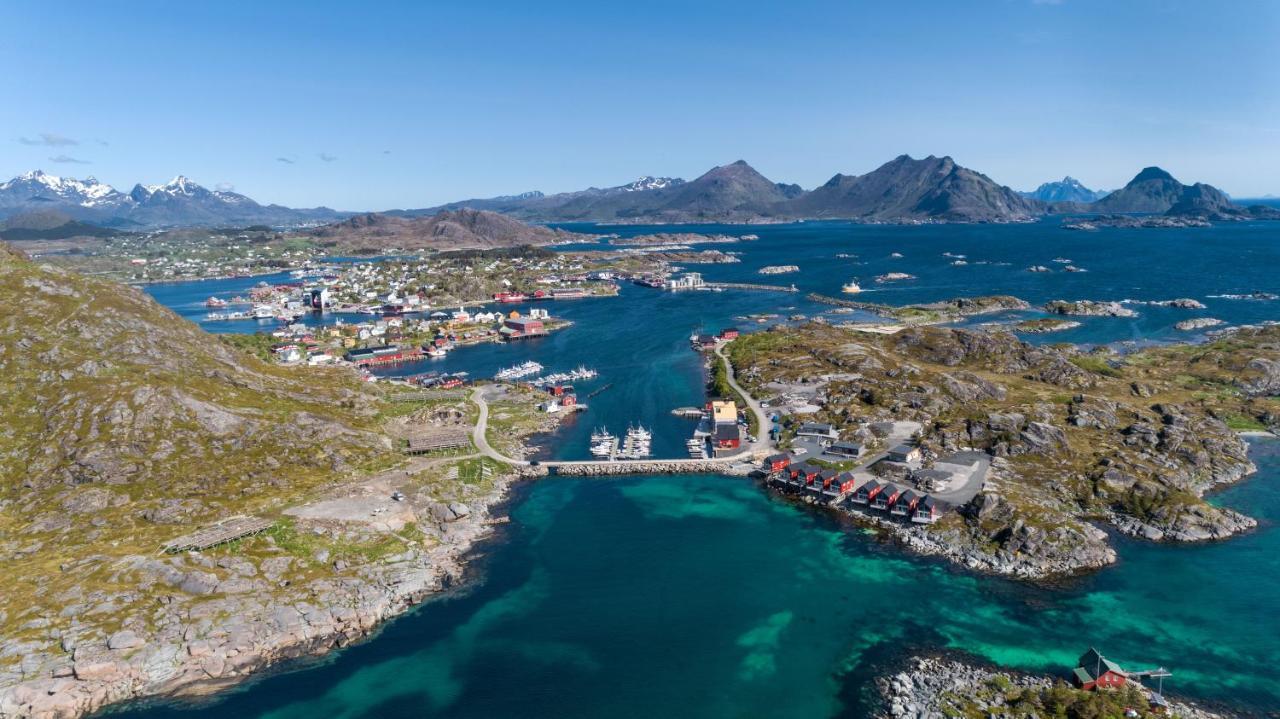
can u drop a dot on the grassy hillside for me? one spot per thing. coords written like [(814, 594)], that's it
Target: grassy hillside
[(125, 426)]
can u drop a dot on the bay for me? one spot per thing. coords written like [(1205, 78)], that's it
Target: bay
[(706, 596)]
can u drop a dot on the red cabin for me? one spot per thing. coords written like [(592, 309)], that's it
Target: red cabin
[(1098, 672), (729, 334), (777, 463), (887, 495)]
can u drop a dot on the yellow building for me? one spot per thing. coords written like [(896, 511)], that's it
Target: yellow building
[(724, 411)]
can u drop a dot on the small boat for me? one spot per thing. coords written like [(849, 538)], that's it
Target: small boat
[(215, 302), (851, 287)]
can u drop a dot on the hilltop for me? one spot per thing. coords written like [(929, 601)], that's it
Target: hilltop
[(445, 230)]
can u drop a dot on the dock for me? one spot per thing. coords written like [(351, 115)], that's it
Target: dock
[(228, 530)]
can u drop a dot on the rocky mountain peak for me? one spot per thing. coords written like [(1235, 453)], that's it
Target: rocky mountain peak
[(1152, 173)]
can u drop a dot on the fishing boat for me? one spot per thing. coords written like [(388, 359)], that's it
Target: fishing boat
[(637, 444), (521, 370), (603, 445), (851, 287), (215, 302)]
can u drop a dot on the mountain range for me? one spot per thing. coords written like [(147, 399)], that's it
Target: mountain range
[(932, 189), (179, 202), (902, 189)]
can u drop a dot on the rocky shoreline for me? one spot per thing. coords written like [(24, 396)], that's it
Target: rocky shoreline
[(930, 687), (261, 620)]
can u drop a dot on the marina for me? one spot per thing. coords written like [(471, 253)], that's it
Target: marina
[(519, 371)]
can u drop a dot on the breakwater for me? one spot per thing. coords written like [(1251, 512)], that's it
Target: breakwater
[(750, 286), (674, 466)]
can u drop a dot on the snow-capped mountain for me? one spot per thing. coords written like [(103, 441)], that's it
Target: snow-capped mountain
[(179, 202), (651, 183), (38, 186)]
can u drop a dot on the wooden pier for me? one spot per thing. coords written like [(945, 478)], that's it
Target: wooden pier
[(225, 531)]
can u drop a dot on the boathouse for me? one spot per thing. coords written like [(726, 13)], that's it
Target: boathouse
[(728, 436), (1097, 672)]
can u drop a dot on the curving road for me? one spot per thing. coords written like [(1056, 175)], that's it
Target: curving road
[(762, 443), (478, 433)]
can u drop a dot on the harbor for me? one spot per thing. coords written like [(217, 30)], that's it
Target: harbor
[(646, 370)]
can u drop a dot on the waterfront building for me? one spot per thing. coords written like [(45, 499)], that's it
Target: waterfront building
[(687, 281), (1097, 672), (777, 462), (885, 498), (928, 510)]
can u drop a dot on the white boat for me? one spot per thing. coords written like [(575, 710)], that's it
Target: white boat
[(605, 447), (521, 370), (600, 435), (637, 444), (851, 287)]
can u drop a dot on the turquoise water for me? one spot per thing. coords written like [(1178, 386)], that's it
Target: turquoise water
[(700, 596), (705, 596)]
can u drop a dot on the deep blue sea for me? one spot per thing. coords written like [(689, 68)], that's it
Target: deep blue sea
[(697, 596)]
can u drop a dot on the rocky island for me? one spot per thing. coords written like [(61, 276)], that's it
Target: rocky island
[(1075, 438), (948, 686)]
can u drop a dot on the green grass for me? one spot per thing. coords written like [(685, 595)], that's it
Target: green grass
[(1095, 364)]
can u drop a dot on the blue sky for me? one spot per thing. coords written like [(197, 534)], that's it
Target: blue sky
[(380, 105)]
